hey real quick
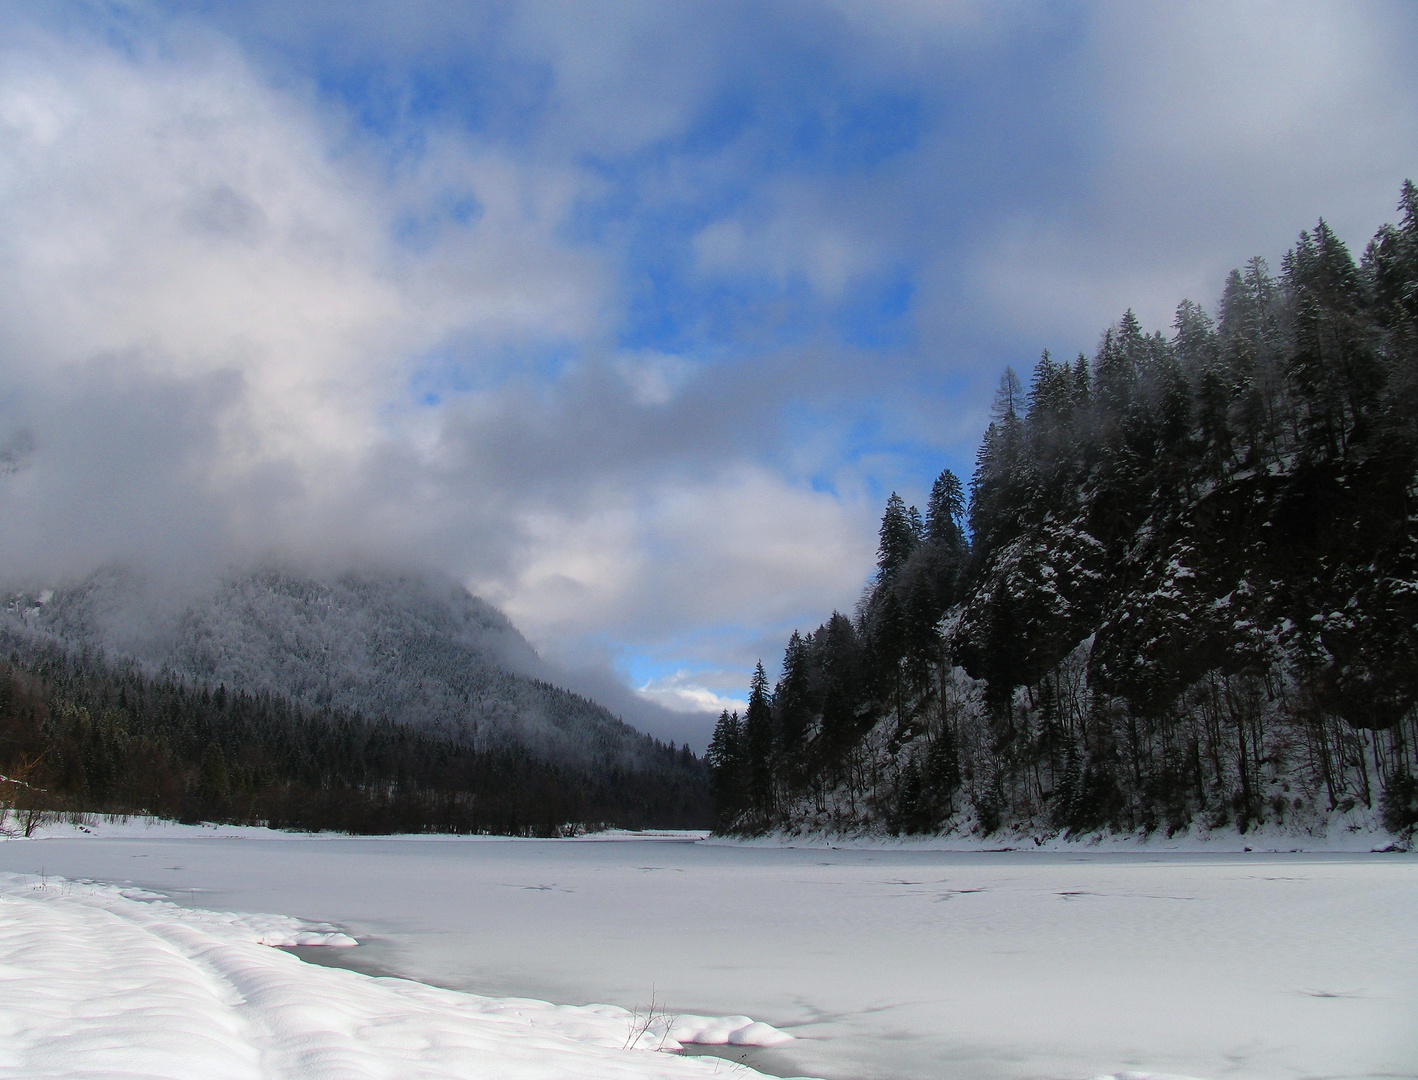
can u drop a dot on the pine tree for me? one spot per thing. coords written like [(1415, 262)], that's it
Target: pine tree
[(1115, 370), (996, 488), (842, 687), (1332, 368), (212, 782), (945, 512), (793, 712), (1391, 267), (727, 761), (758, 747), (1194, 339), (898, 537)]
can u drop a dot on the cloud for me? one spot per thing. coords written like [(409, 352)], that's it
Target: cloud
[(174, 227), (685, 691), (630, 317), (180, 258), (1218, 133), (809, 243), (228, 332), (741, 546)]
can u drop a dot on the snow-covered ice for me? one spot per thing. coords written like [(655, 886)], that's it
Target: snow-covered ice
[(98, 981), (889, 963)]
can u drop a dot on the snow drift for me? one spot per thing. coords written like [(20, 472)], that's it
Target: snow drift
[(100, 981)]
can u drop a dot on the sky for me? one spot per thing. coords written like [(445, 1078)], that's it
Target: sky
[(630, 316)]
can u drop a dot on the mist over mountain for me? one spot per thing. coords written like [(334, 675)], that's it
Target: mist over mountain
[(416, 649)]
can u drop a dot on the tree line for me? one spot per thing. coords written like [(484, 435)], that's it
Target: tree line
[(79, 734), (1183, 589)]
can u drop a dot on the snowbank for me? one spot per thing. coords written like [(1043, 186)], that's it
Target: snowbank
[(96, 980), (133, 825), (1351, 833)]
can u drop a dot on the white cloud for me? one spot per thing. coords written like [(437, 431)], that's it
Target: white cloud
[(623, 74), (169, 223), (655, 379), (686, 691), (185, 209), (1221, 132), (1257, 79), (742, 546), (793, 241)]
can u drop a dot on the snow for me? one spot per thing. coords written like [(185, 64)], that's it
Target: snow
[(103, 981), (1354, 831), (887, 962)]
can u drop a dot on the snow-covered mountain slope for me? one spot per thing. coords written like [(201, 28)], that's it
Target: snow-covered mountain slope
[(416, 648)]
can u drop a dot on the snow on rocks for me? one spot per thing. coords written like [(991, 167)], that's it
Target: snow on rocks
[(99, 981)]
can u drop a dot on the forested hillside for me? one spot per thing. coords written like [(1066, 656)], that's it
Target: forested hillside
[(1184, 589), (368, 702), (78, 734), (415, 648)]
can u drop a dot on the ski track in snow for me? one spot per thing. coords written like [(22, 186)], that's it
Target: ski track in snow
[(98, 981)]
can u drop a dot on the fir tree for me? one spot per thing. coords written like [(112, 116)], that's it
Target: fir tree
[(758, 746), (898, 536)]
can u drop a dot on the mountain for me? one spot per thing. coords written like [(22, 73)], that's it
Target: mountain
[(1184, 591), (414, 648), (368, 701)]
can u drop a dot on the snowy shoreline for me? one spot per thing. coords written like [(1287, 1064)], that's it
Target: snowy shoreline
[(1024, 963), (1346, 839), (100, 980), (1348, 834)]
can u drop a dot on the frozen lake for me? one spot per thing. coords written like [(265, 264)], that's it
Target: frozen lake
[(884, 964)]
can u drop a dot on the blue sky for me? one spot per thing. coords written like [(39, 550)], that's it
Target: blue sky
[(628, 315)]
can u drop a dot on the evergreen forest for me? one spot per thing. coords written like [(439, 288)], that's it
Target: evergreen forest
[(1182, 589), (83, 735)]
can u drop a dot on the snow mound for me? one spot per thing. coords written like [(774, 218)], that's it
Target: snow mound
[(273, 930), (96, 980), (676, 1032)]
